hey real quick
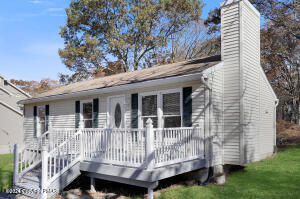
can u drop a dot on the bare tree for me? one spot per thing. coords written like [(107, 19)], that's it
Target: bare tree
[(193, 41)]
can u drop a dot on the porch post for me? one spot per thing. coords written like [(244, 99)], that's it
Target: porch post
[(93, 189), (44, 172), (149, 145), (16, 164), (150, 193), (50, 136), (81, 124)]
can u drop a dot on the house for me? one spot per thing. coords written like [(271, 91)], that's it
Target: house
[(143, 126), (11, 115)]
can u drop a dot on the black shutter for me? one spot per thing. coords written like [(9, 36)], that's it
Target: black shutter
[(134, 110), (35, 120), (187, 106), (47, 116), (95, 112), (77, 114)]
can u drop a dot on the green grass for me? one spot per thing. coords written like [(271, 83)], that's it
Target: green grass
[(6, 171), (278, 177)]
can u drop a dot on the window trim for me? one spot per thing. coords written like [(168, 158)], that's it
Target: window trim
[(160, 115), (39, 133), (81, 110)]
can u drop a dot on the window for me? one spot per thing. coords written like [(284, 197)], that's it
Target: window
[(118, 115), (42, 119), (149, 109), (164, 108), (171, 110), (87, 114)]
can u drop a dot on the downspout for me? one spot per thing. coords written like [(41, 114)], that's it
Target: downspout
[(203, 80), (210, 170), (275, 126)]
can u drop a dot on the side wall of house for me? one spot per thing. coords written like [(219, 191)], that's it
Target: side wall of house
[(10, 129), (267, 123), (11, 119), (250, 68)]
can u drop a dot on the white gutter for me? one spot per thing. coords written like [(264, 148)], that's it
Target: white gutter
[(11, 108), (138, 85), (205, 82)]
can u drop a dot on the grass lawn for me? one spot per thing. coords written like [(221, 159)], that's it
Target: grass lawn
[(273, 178), (278, 177), (6, 171)]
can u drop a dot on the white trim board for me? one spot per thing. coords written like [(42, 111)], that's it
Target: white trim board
[(269, 85), (11, 108), (138, 85), (14, 86), (6, 91)]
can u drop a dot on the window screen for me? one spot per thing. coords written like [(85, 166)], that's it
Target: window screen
[(149, 109), (171, 110)]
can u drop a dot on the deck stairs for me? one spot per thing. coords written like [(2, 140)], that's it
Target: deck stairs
[(43, 170)]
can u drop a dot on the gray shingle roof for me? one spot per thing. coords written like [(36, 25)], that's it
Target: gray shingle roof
[(157, 72)]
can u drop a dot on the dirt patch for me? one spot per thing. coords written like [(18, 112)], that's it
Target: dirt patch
[(287, 133)]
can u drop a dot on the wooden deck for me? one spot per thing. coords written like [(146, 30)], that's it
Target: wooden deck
[(139, 157)]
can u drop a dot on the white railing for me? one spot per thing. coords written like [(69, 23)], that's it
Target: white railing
[(174, 145), (29, 155), (61, 158), (24, 160), (144, 148), (115, 146)]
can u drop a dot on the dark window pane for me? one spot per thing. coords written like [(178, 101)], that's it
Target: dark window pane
[(154, 121), (149, 105), (118, 115), (88, 124), (171, 104), (171, 122), (42, 113), (87, 110)]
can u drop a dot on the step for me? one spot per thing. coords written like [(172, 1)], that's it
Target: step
[(32, 175), (29, 189)]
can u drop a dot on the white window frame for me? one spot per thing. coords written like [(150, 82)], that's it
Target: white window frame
[(159, 95), (81, 110)]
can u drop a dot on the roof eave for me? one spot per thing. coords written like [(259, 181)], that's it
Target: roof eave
[(130, 86)]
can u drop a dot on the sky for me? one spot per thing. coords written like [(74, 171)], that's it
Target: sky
[(29, 37)]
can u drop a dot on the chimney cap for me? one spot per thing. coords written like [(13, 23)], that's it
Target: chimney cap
[(228, 2)]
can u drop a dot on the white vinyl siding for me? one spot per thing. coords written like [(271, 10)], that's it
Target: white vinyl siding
[(267, 121), (28, 124), (250, 50), (230, 55), (216, 80), (62, 114)]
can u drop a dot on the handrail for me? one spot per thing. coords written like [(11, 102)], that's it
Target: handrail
[(61, 158), (64, 142)]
